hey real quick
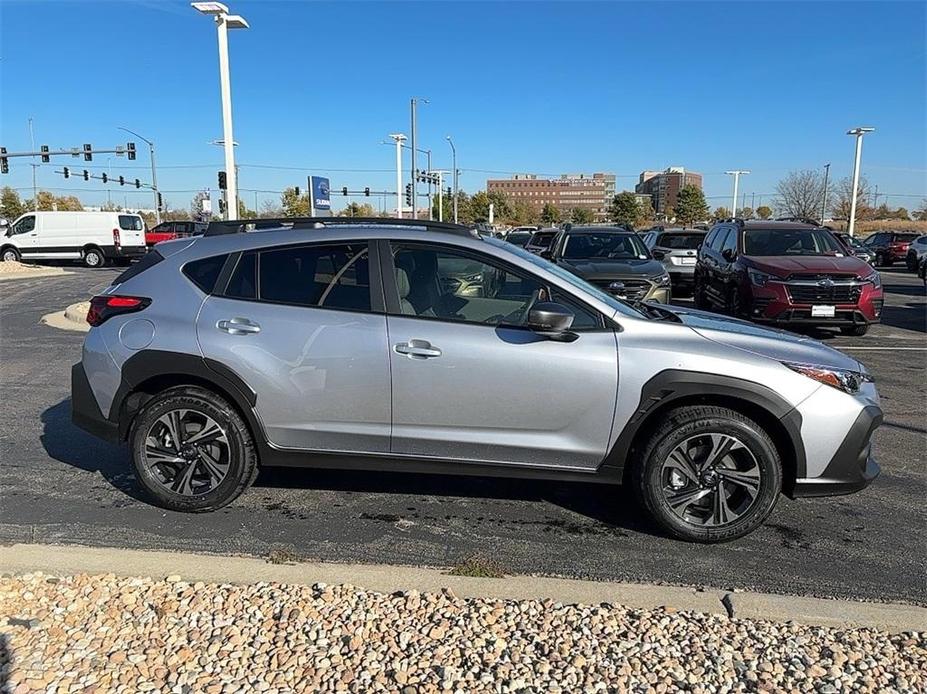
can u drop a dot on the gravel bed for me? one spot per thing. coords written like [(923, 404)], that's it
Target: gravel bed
[(110, 634)]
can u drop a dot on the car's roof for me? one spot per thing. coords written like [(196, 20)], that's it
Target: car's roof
[(773, 225), (679, 230), (598, 230)]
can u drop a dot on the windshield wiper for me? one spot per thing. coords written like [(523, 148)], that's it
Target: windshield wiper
[(653, 311)]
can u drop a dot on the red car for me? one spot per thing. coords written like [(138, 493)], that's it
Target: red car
[(889, 246), (788, 273), (167, 231)]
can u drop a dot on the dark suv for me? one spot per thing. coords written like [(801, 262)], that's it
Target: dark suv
[(889, 246), (786, 272)]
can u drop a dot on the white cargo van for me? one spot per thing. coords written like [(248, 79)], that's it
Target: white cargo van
[(91, 237)]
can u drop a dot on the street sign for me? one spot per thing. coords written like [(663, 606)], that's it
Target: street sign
[(319, 197), (207, 206)]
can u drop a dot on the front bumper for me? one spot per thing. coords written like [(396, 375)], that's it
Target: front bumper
[(772, 303), (85, 412), (852, 467)]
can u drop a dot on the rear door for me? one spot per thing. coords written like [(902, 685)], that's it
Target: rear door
[(470, 383), (131, 230), (300, 325)]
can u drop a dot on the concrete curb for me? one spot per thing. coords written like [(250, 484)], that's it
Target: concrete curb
[(38, 272), (71, 559), (74, 317)]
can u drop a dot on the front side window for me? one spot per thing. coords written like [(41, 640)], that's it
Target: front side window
[(130, 222), (605, 246), (772, 242), (24, 225), (730, 241), (335, 276)]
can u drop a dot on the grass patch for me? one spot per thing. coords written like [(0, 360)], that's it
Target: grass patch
[(477, 566), (282, 556)]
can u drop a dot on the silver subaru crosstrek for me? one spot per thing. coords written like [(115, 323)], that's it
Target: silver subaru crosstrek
[(417, 346)]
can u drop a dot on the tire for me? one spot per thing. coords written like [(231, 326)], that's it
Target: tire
[(735, 303), (10, 255), (93, 257), (753, 457), (881, 260), (910, 262), (698, 297), (232, 457), (857, 330)]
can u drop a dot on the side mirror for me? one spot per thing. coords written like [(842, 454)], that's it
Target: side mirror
[(728, 254), (552, 321), (658, 255)]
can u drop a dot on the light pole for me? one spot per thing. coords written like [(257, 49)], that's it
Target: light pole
[(35, 187), (454, 167), (398, 138), (858, 132), (824, 201), (224, 22), (154, 175), (736, 174), (414, 108), (428, 165)]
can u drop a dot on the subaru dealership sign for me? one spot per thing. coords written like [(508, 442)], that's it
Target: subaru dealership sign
[(320, 197)]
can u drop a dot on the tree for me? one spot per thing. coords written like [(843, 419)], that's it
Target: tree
[(244, 212), (843, 193), (690, 205), (721, 213), (624, 208), (294, 205), (523, 213), (354, 209), (764, 212), (902, 213), (921, 213), (645, 213), (11, 206), (270, 209), (550, 214), (800, 194), (196, 208), (745, 213), (580, 215)]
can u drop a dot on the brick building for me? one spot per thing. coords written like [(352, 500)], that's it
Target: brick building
[(663, 187), (593, 192)]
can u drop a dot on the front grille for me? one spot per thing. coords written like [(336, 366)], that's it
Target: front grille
[(634, 289), (826, 289)]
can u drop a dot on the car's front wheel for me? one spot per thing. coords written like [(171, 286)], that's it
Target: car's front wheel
[(708, 474), (699, 297), (192, 451)]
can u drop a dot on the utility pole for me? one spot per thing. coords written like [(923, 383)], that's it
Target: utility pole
[(454, 166), (824, 201), (858, 132), (154, 174), (440, 196), (414, 172), (430, 210), (399, 138), (35, 188), (736, 174), (753, 201)]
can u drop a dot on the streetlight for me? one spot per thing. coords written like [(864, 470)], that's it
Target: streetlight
[(224, 22), (824, 201), (454, 166), (154, 175), (736, 175), (398, 138), (414, 108), (859, 132)]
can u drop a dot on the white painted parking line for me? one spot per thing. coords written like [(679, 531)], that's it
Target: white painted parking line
[(884, 349)]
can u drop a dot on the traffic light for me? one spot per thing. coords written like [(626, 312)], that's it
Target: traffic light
[(88, 153), (160, 204), (448, 192), (122, 181), (105, 178), (45, 157), (130, 150), (223, 182), (344, 191), (67, 172), (409, 194), (138, 183), (221, 206), (297, 191), (367, 191), (4, 162), (86, 175)]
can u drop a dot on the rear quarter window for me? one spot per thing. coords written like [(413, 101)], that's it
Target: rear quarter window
[(205, 272)]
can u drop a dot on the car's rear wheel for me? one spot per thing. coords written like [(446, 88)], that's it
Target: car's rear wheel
[(93, 257), (910, 262), (857, 330), (708, 474), (881, 260), (192, 451)]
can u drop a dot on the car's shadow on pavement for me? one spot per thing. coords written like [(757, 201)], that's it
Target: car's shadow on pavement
[(602, 504)]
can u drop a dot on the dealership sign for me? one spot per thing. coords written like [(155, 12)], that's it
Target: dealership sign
[(320, 196)]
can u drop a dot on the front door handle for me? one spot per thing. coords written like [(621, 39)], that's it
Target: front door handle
[(238, 326), (417, 349)]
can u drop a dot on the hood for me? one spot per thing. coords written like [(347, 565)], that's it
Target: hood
[(785, 265), (772, 343), (607, 268)]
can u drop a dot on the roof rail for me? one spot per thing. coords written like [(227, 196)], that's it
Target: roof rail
[(801, 220), (739, 221), (239, 226)]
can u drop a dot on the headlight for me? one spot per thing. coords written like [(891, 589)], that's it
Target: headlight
[(875, 279), (847, 381), (662, 280), (759, 278)]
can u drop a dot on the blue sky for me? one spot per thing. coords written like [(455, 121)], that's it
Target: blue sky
[(521, 86)]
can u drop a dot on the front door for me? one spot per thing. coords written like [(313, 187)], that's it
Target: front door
[(295, 323), (470, 383)]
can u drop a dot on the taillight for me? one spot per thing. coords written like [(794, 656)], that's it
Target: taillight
[(104, 307), (115, 237)]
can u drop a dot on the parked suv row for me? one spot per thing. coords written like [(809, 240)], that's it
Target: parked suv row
[(786, 273), (416, 346)]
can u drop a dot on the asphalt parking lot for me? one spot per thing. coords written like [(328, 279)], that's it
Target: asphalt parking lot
[(60, 485)]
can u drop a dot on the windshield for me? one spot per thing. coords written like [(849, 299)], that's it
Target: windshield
[(570, 279), (519, 238), (769, 242), (542, 240), (680, 241), (613, 246)]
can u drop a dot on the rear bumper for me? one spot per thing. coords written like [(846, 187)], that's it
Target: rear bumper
[(129, 251), (853, 467), (85, 412)]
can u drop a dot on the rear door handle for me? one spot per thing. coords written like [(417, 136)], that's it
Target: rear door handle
[(238, 326), (417, 349)]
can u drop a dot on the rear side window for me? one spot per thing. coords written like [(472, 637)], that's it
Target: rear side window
[(130, 222), (243, 283), (204, 272), (335, 276), (148, 260)]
